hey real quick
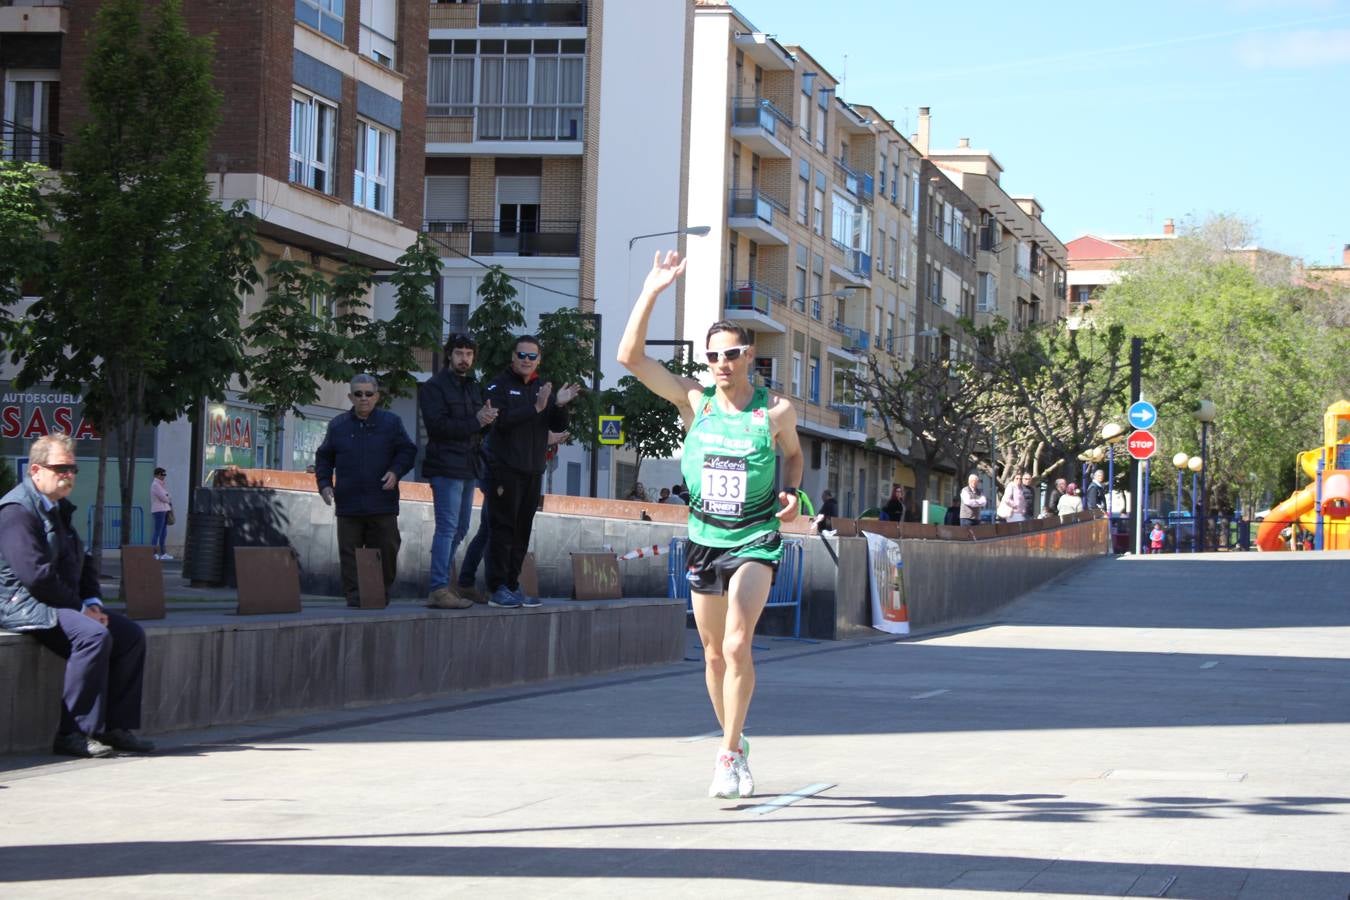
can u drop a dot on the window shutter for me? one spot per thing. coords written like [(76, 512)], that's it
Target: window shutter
[(447, 198), (518, 189)]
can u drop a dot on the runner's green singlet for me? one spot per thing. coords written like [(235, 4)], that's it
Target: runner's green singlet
[(728, 466)]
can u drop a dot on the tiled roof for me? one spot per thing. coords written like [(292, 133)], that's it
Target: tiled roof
[(1090, 247)]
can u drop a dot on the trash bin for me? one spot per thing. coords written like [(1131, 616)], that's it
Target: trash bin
[(204, 556)]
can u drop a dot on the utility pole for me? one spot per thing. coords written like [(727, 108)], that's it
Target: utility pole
[(1136, 377)]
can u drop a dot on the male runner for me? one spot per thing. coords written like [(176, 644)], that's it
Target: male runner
[(734, 544)]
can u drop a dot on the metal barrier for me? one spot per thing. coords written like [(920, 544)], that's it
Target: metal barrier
[(787, 583), (112, 527)]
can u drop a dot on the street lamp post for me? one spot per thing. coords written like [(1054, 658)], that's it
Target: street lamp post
[(1205, 413), (1112, 434), (1195, 464), (1179, 460)]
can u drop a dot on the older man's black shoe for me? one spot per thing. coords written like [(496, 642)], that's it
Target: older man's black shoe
[(127, 741), (81, 745)]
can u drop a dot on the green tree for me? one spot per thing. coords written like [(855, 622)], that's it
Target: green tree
[(139, 282), (652, 427), (1247, 336), (25, 254), (496, 322), (300, 338), (388, 348)]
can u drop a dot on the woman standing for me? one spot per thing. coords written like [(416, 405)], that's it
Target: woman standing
[(1070, 501), (732, 429), (894, 510), (161, 504), (1015, 497)]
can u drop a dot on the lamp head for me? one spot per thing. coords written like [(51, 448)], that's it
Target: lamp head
[(1204, 411), (698, 230), (1195, 464), (1180, 460), (1112, 432)]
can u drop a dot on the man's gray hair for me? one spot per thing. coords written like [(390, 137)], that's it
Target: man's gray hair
[(364, 378), (42, 448)]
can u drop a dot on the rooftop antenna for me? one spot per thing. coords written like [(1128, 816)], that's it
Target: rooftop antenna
[(843, 78)]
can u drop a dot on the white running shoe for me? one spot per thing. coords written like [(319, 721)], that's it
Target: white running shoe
[(726, 783), (745, 781)]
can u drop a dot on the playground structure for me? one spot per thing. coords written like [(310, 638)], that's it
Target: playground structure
[(1320, 511)]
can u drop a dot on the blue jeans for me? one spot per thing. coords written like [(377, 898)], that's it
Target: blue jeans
[(473, 554), (161, 531), (453, 502)]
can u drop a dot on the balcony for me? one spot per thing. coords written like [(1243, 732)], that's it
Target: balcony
[(34, 16), (856, 269), (750, 304), (851, 416), (859, 184), (487, 237), (758, 216), (761, 126), (538, 13), (855, 339), (18, 143), (521, 122)]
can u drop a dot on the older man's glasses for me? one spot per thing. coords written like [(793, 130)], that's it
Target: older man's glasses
[(363, 394), (728, 354), (63, 469)]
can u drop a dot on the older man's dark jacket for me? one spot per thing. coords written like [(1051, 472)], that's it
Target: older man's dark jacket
[(519, 438), (450, 404), (43, 566), (358, 452)]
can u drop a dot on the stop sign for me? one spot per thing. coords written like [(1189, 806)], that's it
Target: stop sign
[(1141, 444)]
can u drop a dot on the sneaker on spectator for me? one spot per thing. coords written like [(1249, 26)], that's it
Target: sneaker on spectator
[(503, 598), (157, 556), (127, 741), (726, 783), (473, 593), (526, 600), (166, 556), (82, 745), (448, 598)]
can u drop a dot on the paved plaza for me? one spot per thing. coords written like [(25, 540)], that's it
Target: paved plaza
[(1171, 727)]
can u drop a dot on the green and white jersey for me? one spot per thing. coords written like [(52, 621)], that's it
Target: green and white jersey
[(729, 467)]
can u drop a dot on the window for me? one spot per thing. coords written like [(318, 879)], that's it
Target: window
[(939, 211), (764, 368), (446, 199), (450, 81), (529, 97), (816, 456), (373, 186), (817, 285), (799, 281), (325, 15), (818, 211), (1082, 294), (987, 296), (803, 190), (796, 374), (31, 100), (842, 214), (379, 31), (813, 373), (456, 318), (313, 142)]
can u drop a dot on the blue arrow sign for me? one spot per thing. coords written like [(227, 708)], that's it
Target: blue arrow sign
[(1142, 415)]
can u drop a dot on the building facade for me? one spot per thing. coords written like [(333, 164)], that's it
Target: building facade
[(321, 135), (812, 202), (555, 148)]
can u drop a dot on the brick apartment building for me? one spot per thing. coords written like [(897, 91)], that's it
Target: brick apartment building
[(322, 134)]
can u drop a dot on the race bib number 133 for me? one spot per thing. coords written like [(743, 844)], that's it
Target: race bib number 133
[(723, 488)]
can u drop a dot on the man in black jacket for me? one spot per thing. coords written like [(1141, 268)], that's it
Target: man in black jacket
[(455, 418), (517, 453), (50, 590), (1095, 495), (369, 450)]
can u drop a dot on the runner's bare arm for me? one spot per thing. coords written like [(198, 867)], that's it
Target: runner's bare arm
[(632, 347), (783, 420)]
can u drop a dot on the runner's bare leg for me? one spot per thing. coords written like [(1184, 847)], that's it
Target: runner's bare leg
[(710, 617), (746, 596)]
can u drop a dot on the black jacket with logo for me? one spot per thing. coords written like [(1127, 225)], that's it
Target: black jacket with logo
[(519, 438), (450, 405)]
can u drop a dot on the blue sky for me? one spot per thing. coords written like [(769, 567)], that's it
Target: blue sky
[(1116, 116)]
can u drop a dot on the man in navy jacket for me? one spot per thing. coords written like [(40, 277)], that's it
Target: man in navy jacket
[(49, 589), (369, 450)]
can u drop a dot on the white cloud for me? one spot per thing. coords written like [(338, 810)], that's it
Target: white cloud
[(1295, 50)]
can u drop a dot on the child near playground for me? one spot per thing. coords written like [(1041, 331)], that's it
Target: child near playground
[(1156, 537)]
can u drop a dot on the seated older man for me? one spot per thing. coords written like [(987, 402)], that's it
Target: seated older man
[(49, 589)]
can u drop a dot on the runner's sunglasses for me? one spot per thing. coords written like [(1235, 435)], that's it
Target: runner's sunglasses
[(729, 354)]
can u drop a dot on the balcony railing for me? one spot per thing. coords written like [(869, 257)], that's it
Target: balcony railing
[(859, 184), (753, 296), (756, 204), (536, 13), (32, 2), (855, 339), (19, 143), (851, 416), (488, 237), (751, 111), (772, 384)]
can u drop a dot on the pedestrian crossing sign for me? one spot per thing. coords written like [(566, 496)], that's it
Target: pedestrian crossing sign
[(611, 430)]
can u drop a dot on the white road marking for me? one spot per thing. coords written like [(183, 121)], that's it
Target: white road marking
[(700, 737), (783, 800), (928, 694), (1209, 665)]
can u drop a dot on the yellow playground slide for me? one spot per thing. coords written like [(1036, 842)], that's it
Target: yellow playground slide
[(1299, 511)]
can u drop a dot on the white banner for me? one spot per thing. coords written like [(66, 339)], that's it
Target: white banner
[(886, 584)]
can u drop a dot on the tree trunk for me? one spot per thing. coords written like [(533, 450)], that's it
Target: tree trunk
[(96, 538), (126, 470)]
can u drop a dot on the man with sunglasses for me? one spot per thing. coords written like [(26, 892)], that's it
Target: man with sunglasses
[(49, 588), (368, 450), (455, 417), (729, 463), (517, 452)]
